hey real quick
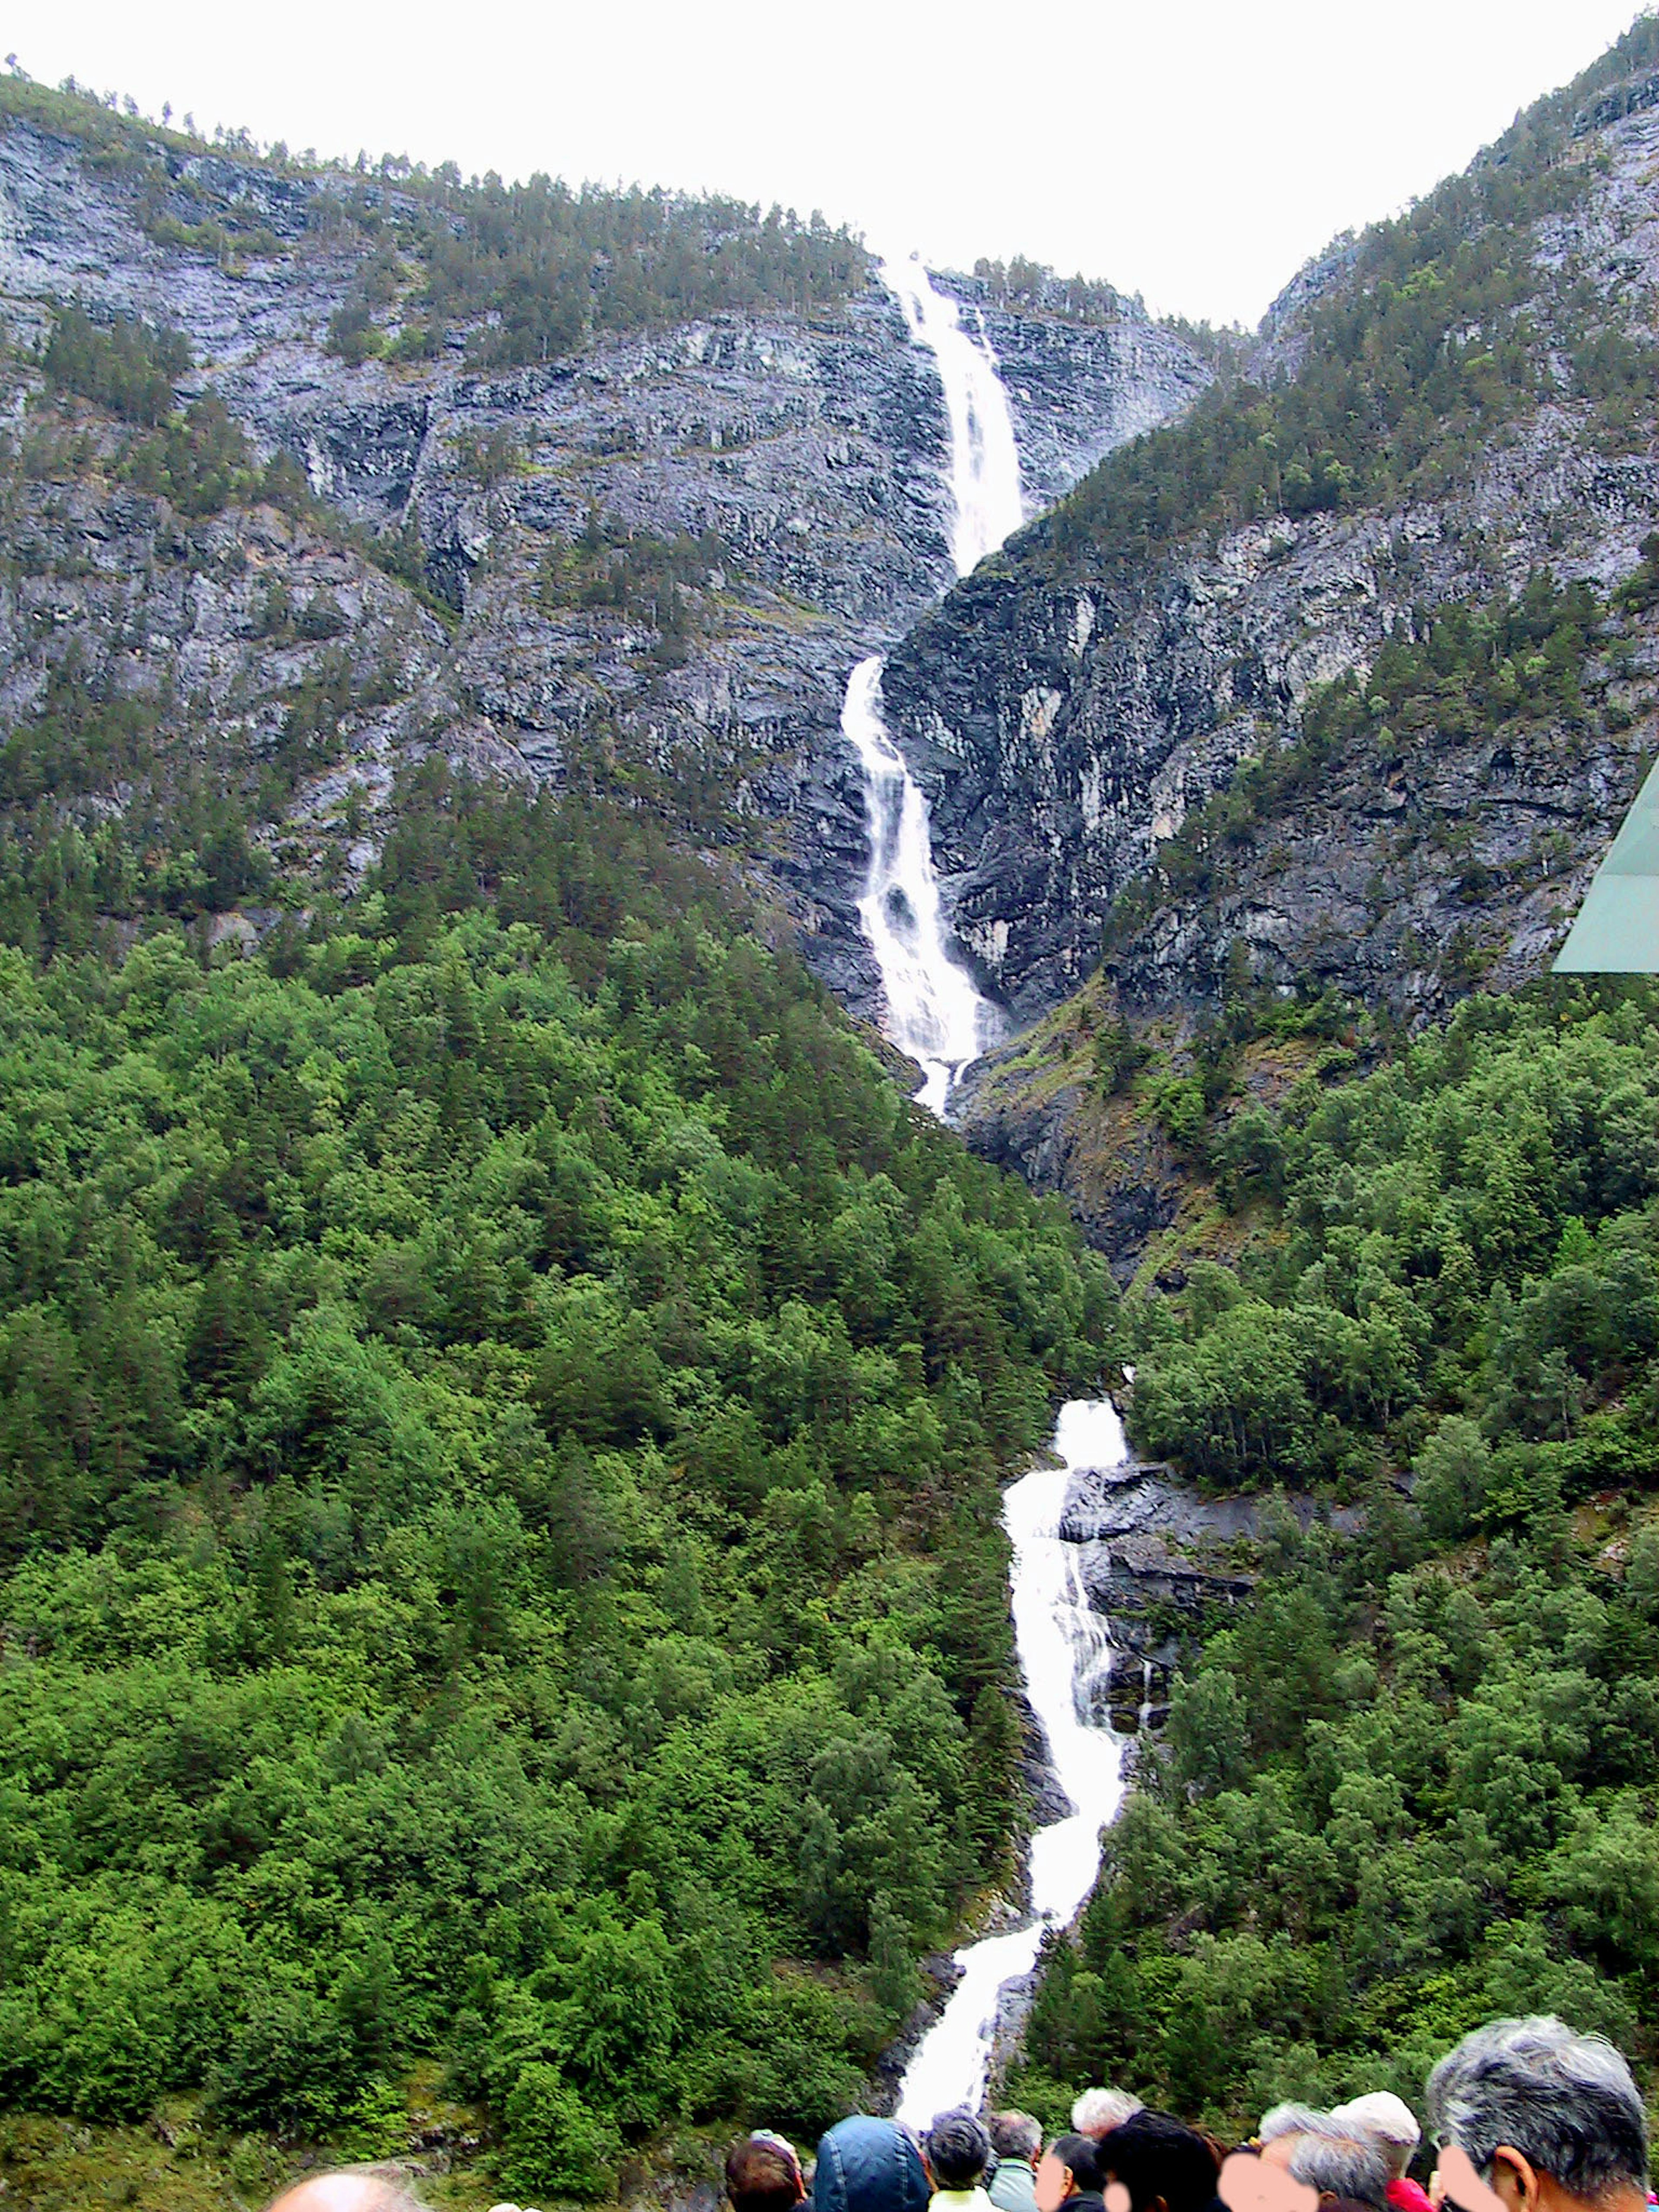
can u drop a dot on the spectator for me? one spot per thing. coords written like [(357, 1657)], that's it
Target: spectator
[(1548, 2119), (762, 2174), (1165, 2165), (359, 2189), (869, 2166), (1282, 2128), (1016, 2139), (1070, 2174), (1391, 2120), (958, 2151), (1342, 2166), (1096, 2111)]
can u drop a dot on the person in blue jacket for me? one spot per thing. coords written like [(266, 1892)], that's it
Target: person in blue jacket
[(869, 2166)]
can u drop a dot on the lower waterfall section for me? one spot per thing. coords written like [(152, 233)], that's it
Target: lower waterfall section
[(1062, 1646)]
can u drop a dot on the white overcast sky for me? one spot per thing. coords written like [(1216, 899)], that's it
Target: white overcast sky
[(1197, 150)]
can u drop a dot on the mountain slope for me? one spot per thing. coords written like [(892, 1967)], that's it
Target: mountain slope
[(1343, 685), (663, 471)]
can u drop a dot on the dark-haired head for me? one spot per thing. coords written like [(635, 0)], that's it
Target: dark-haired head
[(957, 2149), (1070, 2166), (1162, 2163)]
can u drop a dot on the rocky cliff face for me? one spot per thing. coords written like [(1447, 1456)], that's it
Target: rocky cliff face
[(1065, 731), (804, 455)]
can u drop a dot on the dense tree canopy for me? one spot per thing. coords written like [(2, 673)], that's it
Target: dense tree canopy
[(1413, 1783), (499, 1411)]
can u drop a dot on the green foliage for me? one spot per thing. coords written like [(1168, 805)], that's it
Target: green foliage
[(663, 581), (555, 2145), (1413, 1783), (199, 461), (500, 1408), (130, 367), (534, 270)]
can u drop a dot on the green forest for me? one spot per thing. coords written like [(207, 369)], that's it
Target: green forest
[(500, 1406), (1412, 1784)]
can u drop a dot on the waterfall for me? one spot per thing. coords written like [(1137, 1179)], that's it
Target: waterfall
[(1061, 1643), (936, 1014), (934, 1010)]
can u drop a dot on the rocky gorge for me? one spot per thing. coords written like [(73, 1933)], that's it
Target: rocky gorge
[(793, 460)]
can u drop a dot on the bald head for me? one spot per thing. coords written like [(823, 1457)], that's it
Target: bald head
[(360, 2189)]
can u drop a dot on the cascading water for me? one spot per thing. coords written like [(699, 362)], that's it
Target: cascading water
[(1061, 1644), (934, 1011)]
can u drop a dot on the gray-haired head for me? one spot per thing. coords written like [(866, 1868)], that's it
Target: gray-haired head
[(1015, 2135), (1098, 2111), (1566, 2101), (1288, 2120), (1339, 2163), (1385, 2116), (957, 2148)]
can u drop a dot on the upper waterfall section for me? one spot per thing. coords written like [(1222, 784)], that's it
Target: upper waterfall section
[(984, 469)]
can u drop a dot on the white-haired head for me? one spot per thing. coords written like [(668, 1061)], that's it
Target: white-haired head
[(1288, 2120), (1098, 2111), (1385, 2116)]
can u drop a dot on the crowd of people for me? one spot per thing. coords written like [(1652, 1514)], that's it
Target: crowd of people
[(1523, 2116)]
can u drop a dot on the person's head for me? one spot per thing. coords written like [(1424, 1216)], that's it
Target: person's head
[(762, 2174), (957, 2149), (1070, 2166), (1339, 2164), (1281, 2129), (1165, 2165), (1016, 2136), (1385, 2116), (869, 2166), (1096, 2111), (1547, 2118), (360, 2189)]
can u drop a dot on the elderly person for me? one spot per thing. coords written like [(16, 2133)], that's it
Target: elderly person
[(1098, 2111), (1016, 2139), (1341, 2166), (1541, 2119), (1391, 2120), (958, 2151), (1282, 2128)]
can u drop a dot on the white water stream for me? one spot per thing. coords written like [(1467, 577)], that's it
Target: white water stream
[(934, 1011), (1063, 1648), (936, 1015)]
